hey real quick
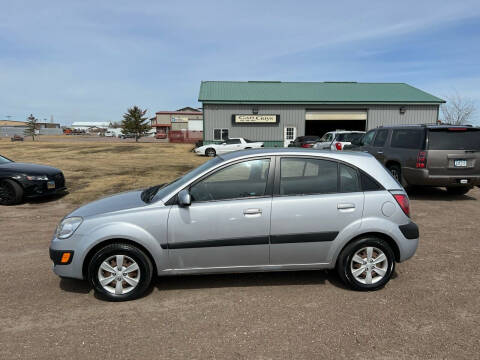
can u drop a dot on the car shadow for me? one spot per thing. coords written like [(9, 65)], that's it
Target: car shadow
[(213, 281), (75, 285), (436, 194), (46, 199), (280, 278)]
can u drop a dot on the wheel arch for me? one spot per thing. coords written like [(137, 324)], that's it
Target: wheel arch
[(393, 162), (94, 249), (393, 245)]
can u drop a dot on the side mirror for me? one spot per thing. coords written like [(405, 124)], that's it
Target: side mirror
[(184, 198)]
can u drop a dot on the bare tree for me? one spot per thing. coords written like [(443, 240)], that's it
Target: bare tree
[(458, 110)]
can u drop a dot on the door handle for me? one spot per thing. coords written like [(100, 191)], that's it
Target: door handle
[(345, 206), (252, 211), (380, 152)]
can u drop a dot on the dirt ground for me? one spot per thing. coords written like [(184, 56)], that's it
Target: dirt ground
[(431, 309)]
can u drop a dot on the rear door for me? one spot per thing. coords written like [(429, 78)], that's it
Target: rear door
[(315, 199), (453, 151)]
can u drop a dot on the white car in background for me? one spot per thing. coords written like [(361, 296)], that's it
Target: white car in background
[(229, 145), (325, 142), (345, 138)]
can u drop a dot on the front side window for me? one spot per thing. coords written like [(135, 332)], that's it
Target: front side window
[(241, 180), (300, 176), (381, 138), (220, 134), (407, 138), (368, 138)]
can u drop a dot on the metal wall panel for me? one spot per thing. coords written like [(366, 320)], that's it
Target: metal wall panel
[(220, 116), (385, 115)]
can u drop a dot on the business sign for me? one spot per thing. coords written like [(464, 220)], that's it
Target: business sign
[(255, 119)]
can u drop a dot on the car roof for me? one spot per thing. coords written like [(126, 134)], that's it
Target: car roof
[(429, 126), (295, 151)]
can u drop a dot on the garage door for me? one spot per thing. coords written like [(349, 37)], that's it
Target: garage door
[(336, 115), (195, 125)]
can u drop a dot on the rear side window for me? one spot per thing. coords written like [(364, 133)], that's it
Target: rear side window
[(348, 137), (368, 184), (381, 138), (407, 138), (444, 139), (300, 176)]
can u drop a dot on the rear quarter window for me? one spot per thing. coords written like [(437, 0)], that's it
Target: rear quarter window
[(445, 139), (408, 138)]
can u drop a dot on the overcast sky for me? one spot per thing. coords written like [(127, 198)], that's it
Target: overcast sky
[(90, 60)]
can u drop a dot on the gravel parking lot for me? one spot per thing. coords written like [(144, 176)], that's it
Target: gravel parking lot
[(429, 310)]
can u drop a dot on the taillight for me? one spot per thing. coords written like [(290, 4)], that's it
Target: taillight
[(338, 146), (307, 145), (421, 160), (402, 200)]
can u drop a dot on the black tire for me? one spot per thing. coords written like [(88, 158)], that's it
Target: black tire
[(210, 152), (345, 259), (458, 190), (11, 193), (396, 171), (144, 265)]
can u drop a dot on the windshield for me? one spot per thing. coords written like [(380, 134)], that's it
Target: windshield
[(159, 191), (4, 160), (348, 137), (454, 139)]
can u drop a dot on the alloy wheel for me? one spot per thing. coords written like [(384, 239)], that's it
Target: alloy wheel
[(369, 265), (119, 274)]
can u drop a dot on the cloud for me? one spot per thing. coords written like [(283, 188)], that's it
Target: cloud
[(90, 60)]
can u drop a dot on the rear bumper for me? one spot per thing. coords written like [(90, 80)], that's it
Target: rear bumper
[(423, 177)]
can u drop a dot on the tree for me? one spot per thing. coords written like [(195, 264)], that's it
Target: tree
[(31, 127), (134, 122), (458, 110)]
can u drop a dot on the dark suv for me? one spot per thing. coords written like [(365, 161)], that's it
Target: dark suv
[(427, 155)]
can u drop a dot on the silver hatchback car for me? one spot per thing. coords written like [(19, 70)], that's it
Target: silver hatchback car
[(252, 210)]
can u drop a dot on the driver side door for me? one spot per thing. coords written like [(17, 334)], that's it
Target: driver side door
[(227, 224)]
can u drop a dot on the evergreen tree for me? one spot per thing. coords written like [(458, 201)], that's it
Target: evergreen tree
[(135, 122), (31, 127)]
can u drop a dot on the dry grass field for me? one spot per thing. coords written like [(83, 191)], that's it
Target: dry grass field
[(95, 169)]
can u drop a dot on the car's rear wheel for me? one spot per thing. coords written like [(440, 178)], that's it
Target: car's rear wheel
[(458, 190), (11, 193), (210, 152), (120, 272), (366, 264)]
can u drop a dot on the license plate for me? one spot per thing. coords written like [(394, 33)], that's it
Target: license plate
[(460, 163), (51, 185)]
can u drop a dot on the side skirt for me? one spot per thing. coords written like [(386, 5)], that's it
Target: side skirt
[(246, 269)]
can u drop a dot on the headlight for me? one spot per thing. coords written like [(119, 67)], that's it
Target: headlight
[(68, 226), (37, 177)]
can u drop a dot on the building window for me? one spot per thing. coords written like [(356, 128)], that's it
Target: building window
[(220, 134)]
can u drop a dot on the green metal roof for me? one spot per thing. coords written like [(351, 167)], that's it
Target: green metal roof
[(277, 92)]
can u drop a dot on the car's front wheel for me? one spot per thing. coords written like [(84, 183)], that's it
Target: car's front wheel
[(11, 193), (366, 264), (120, 272)]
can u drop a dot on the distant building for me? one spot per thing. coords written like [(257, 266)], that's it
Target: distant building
[(12, 127), (186, 118), (88, 125)]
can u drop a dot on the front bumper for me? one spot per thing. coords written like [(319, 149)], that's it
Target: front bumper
[(423, 177), (74, 268)]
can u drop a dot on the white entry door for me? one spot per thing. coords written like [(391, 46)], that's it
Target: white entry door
[(289, 134)]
